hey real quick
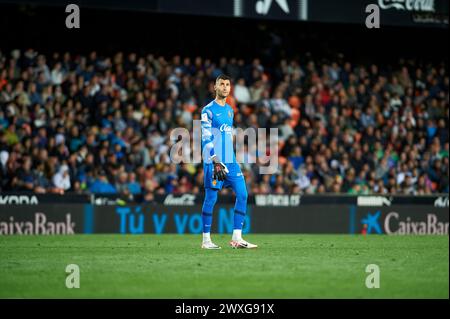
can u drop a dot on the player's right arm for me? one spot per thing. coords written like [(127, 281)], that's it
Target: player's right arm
[(207, 135)]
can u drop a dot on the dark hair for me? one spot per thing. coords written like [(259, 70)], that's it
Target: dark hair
[(223, 77)]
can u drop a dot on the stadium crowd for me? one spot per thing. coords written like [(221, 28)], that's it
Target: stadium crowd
[(74, 123)]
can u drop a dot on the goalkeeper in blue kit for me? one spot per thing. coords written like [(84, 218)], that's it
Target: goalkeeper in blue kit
[(220, 166)]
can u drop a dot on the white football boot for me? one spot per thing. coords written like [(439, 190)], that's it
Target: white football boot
[(210, 245), (240, 243)]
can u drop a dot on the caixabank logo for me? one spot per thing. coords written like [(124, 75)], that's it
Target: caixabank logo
[(402, 221)]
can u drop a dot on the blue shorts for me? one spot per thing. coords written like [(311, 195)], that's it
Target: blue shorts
[(233, 177)]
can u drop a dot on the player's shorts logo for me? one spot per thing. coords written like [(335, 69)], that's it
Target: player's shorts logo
[(214, 182)]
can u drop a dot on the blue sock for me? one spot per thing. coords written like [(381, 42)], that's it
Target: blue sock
[(239, 218), (207, 220)]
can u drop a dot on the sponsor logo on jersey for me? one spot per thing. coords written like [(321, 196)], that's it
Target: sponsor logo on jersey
[(226, 128)]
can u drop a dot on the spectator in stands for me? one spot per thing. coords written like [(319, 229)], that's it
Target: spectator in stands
[(61, 180), (241, 92), (133, 186), (101, 185)]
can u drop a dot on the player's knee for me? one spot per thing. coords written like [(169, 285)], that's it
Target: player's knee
[(211, 197), (242, 197)]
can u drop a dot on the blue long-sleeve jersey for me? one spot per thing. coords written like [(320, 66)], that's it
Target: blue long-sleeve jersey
[(217, 132)]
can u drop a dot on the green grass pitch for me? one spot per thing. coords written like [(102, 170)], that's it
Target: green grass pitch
[(174, 266)]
